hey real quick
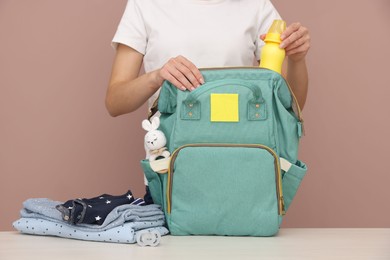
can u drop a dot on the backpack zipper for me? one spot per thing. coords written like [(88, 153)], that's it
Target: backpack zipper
[(278, 178)]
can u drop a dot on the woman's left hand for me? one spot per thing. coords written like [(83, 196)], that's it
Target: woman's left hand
[(296, 41)]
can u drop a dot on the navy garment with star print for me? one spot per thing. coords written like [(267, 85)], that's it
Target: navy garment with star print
[(94, 210)]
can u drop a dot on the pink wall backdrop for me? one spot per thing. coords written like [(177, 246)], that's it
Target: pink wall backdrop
[(57, 140)]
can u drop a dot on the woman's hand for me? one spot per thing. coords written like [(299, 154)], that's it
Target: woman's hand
[(296, 41), (181, 72)]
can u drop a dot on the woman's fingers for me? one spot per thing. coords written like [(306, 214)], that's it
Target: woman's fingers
[(182, 73), (298, 50), (290, 35), (194, 70), (165, 74), (296, 41), (185, 75)]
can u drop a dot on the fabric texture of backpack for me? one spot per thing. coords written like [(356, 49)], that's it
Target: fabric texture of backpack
[(233, 141)]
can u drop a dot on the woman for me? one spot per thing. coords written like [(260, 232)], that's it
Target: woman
[(173, 38)]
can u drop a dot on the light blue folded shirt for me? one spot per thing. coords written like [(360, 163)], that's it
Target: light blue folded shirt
[(40, 217), (126, 233)]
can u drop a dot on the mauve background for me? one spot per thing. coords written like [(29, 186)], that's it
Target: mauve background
[(58, 141)]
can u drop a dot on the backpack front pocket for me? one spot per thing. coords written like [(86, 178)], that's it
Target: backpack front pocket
[(224, 189)]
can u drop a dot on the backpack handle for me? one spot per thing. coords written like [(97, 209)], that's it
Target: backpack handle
[(193, 96), (191, 104)]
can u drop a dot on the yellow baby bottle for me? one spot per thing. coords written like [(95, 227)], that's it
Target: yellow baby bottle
[(272, 55)]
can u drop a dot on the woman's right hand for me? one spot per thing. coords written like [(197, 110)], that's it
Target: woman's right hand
[(181, 72)]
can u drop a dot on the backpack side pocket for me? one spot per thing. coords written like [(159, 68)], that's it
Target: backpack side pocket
[(291, 181), (155, 183)]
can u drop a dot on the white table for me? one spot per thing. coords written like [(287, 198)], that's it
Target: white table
[(367, 244)]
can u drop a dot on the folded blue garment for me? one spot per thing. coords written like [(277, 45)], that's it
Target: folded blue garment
[(40, 217), (43, 208), (125, 233)]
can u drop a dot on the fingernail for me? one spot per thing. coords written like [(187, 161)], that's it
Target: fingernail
[(281, 45), (282, 37), (182, 88), (201, 81), (192, 88)]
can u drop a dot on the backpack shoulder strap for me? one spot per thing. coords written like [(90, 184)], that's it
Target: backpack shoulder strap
[(153, 110)]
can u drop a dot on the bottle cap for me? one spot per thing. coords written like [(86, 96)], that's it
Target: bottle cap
[(274, 32), (278, 26)]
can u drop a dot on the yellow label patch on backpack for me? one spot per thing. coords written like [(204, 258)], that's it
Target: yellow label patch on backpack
[(224, 107)]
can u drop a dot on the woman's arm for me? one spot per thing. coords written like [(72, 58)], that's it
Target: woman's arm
[(127, 91), (296, 42), (298, 79)]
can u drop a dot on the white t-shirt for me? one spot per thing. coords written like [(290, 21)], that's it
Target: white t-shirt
[(210, 33)]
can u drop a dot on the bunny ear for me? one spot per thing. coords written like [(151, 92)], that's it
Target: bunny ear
[(146, 125), (155, 122)]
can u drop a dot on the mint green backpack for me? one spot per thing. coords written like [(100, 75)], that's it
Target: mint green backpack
[(233, 141)]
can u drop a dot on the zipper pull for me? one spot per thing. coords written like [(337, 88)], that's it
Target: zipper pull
[(282, 206), (300, 129)]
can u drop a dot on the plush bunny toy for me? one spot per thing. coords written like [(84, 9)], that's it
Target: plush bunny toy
[(155, 140)]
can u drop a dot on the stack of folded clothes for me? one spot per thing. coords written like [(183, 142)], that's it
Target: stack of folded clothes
[(104, 218)]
